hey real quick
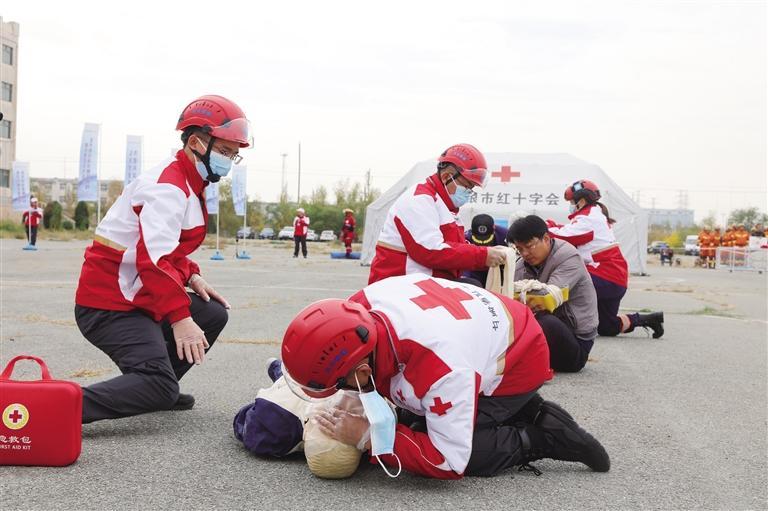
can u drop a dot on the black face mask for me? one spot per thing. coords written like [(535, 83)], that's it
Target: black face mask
[(206, 160)]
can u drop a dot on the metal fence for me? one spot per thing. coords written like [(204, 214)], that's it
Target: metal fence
[(741, 259)]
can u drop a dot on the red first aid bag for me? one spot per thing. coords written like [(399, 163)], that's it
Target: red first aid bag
[(42, 419)]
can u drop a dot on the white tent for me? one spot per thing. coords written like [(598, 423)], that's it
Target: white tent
[(522, 184)]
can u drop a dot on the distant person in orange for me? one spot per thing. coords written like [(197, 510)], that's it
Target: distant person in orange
[(704, 235), (728, 237), (740, 236), (715, 239)]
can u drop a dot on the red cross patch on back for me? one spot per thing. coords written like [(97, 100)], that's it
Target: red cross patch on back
[(439, 296)]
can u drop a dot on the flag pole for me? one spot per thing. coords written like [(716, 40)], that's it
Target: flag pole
[(243, 253), (217, 256)]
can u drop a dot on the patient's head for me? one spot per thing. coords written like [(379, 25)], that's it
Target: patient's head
[(529, 235)]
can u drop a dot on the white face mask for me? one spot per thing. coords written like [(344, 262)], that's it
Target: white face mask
[(572, 208), (382, 421)]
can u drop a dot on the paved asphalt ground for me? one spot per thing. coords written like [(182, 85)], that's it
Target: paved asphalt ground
[(683, 417)]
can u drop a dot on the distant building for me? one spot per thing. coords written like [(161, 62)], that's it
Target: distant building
[(9, 44), (65, 190), (670, 217)]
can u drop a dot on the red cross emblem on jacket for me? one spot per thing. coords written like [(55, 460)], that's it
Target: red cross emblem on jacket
[(439, 296)]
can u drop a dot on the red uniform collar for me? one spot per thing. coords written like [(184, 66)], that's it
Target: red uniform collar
[(583, 211), (435, 182), (386, 361), (197, 183)]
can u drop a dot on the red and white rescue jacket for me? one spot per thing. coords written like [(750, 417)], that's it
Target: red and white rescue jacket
[(422, 234), (138, 259), (348, 229), (592, 235), (32, 220), (300, 225), (454, 342)]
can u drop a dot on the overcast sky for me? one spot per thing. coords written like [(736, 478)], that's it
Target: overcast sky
[(662, 95)]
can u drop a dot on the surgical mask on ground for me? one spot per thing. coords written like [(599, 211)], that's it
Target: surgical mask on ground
[(382, 422)]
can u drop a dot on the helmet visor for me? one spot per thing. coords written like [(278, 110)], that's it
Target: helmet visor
[(308, 393), (476, 176), (236, 130)]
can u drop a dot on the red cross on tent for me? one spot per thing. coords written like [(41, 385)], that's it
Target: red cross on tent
[(439, 296), (439, 407), (505, 174)]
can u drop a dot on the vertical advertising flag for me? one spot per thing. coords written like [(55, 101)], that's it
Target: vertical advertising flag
[(212, 198), (239, 197), (87, 183), (133, 165), (20, 183)]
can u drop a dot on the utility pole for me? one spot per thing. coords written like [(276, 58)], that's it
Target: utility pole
[(298, 192), (368, 185)]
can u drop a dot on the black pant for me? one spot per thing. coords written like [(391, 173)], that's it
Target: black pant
[(609, 297), (567, 353), (145, 352), (33, 232), (300, 240), (496, 443)]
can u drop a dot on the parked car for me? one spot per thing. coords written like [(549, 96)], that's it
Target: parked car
[(311, 235), (328, 236), (267, 233), (656, 246), (286, 233), (691, 246), (245, 232)]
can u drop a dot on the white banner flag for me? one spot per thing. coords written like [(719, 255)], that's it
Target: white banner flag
[(133, 165), (87, 184), (212, 198), (239, 197), (20, 183)]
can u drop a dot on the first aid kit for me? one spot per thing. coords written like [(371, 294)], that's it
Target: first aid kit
[(42, 419)]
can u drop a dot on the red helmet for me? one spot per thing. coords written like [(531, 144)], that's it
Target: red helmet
[(582, 189), (469, 160), (323, 343), (217, 116)]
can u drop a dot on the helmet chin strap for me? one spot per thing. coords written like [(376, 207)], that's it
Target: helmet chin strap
[(206, 159)]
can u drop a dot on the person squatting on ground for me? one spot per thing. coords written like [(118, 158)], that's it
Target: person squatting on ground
[(484, 233), (348, 231), (591, 232), (300, 230), (422, 233), (572, 327), (447, 354), (31, 219), (131, 301)]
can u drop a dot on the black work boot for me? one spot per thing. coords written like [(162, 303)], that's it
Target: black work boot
[(184, 402), (654, 321), (557, 436)]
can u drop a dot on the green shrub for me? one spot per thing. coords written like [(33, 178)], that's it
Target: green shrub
[(67, 225), (81, 216), (52, 216)]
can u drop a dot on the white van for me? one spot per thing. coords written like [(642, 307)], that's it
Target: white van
[(692, 245)]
